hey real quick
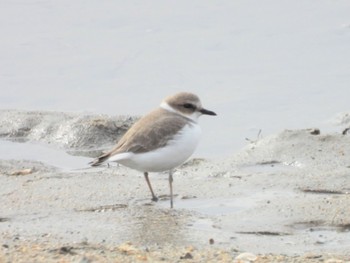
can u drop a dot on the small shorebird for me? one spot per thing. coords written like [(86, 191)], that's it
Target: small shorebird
[(162, 140)]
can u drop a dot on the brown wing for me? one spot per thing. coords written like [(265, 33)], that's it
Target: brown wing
[(143, 137)]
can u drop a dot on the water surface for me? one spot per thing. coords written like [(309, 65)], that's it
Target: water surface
[(260, 65)]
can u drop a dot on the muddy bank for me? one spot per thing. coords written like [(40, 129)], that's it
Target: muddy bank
[(80, 134), (283, 197)]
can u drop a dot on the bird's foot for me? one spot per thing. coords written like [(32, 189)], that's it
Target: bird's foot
[(154, 199)]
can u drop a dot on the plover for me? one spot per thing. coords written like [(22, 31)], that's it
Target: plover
[(161, 140)]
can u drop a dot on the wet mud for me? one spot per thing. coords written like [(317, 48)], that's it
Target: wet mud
[(286, 195)]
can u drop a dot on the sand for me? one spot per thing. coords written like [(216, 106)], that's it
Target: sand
[(282, 198)]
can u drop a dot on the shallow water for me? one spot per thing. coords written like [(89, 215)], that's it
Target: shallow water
[(41, 152), (212, 206), (256, 65)]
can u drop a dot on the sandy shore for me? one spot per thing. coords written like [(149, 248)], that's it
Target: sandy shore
[(283, 198)]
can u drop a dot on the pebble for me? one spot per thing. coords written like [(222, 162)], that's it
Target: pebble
[(188, 255), (127, 248), (334, 260), (245, 258), (85, 260), (23, 171)]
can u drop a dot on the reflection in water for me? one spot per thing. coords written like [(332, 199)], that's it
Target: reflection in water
[(151, 225)]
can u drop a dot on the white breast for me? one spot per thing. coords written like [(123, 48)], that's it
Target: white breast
[(176, 152)]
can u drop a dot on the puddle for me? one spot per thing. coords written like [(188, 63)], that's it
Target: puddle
[(38, 152), (227, 206), (212, 207)]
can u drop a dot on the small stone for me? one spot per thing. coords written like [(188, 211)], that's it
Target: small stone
[(84, 241), (142, 257), (127, 248), (211, 241), (315, 132), (346, 131), (85, 260), (190, 248), (245, 258), (188, 255), (334, 260), (66, 251), (188, 197), (313, 256), (23, 172)]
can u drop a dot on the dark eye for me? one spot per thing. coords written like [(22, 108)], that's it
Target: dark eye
[(189, 106)]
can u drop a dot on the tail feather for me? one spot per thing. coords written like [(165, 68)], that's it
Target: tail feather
[(100, 160), (110, 156)]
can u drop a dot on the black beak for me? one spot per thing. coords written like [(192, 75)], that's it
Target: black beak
[(207, 112)]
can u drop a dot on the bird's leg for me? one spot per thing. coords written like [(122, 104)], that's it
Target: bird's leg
[(154, 198), (171, 187)]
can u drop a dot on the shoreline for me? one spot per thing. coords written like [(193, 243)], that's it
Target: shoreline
[(282, 198)]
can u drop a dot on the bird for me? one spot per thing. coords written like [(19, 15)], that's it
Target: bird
[(161, 140)]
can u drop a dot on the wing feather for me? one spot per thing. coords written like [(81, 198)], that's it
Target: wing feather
[(150, 132)]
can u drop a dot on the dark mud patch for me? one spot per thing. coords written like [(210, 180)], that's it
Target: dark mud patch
[(319, 225), (263, 233), (74, 250), (323, 191), (4, 219), (346, 131), (65, 250), (271, 163), (343, 227)]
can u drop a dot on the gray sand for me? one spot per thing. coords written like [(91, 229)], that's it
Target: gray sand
[(286, 194)]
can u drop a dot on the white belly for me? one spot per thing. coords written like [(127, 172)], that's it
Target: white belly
[(172, 155)]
